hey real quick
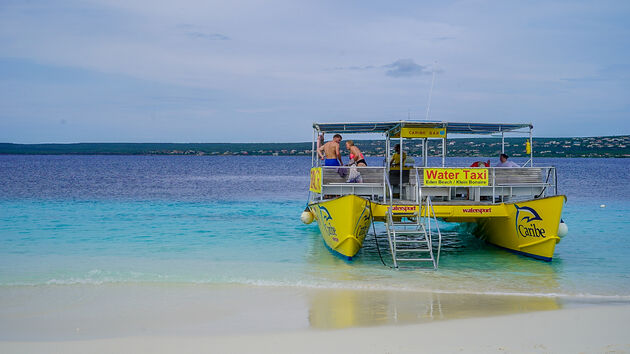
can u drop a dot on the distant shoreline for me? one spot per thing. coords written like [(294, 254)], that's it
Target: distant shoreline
[(609, 146)]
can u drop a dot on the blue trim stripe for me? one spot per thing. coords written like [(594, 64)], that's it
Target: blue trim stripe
[(546, 259), (345, 258)]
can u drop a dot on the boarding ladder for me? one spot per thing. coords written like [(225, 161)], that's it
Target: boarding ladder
[(411, 238)]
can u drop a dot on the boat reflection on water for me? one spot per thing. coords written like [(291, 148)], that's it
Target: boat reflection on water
[(479, 280), (344, 308)]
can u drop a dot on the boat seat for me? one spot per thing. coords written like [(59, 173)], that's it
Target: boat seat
[(369, 175), (334, 184), (356, 184), (372, 190), (516, 176)]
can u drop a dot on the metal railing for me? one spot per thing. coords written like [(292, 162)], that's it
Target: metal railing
[(503, 184), (429, 213), (334, 181)]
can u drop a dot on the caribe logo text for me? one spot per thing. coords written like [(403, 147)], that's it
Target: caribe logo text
[(525, 222)]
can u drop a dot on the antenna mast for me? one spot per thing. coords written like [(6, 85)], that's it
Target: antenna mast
[(431, 92)]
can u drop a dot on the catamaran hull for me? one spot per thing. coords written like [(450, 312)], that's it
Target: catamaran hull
[(529, 228), (343, 223)]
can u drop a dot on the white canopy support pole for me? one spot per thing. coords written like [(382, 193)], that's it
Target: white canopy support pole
[(387, 151), (443, 152), (502, 142), (401, 160), (426, 155), (313, 152), (387, 165), (423, 152), (444, 148), (531, 148)]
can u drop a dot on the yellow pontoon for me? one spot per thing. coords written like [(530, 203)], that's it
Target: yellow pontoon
[(516, 208)]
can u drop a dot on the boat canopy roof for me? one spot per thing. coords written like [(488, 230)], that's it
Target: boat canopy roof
[(451, 127)]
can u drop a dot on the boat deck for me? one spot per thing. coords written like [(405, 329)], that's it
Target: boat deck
[(498, 185)]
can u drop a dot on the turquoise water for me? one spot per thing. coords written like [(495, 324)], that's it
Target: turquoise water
[(121, 219)]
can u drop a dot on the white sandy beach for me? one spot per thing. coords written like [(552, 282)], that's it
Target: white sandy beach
[(193, 318), (598, 329)]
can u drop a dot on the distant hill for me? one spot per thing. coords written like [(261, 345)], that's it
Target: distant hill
[(609, 146)]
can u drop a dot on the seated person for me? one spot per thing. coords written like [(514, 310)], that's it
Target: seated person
[(395, 162), (355, 154), (480, 164), (505, 163)]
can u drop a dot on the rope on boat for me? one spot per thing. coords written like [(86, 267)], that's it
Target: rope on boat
[(543, 190), (378, 249), (308, 199)]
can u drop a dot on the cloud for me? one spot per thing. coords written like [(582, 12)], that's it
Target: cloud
[(399, 68), (198, 32), (440, 39), (355, 68), (405, 68), (208, 36)]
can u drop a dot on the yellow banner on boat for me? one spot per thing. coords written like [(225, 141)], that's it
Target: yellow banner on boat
[(316, 180), (422, 133), (455, 176)]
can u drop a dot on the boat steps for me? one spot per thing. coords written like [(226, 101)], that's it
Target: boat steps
[(414, 259), (410, 233), (411, 241)]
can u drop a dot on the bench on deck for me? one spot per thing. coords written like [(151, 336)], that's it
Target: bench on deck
[(514, 176), (334, 184)]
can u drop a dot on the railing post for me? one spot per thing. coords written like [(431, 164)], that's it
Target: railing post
[(493, 185), (555, 180), (531, 148), (313, 152), (443, 151), (384, 186)]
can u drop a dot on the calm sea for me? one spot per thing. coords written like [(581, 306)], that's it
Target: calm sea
[(235, 220)]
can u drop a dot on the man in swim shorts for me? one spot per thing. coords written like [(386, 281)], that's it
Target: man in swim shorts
[(331, 151)]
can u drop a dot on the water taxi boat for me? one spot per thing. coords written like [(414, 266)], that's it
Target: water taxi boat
[(515, 208)]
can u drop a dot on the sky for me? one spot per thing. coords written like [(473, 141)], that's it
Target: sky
[(264, 71)]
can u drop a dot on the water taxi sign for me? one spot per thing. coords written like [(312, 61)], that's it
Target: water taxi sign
[(455, 176), (408, 132)]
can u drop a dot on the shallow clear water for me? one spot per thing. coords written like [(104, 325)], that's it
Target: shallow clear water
[(235, 220)]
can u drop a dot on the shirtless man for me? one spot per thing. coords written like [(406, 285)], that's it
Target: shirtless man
[(331, 150)]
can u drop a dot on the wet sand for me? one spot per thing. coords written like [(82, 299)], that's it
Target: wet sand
[(166, 318)]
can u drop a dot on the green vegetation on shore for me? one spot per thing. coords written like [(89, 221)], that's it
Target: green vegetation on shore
[(611, 146)]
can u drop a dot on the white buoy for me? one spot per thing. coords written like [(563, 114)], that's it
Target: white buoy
[(307, 217), (602, 206), (563, 229)]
